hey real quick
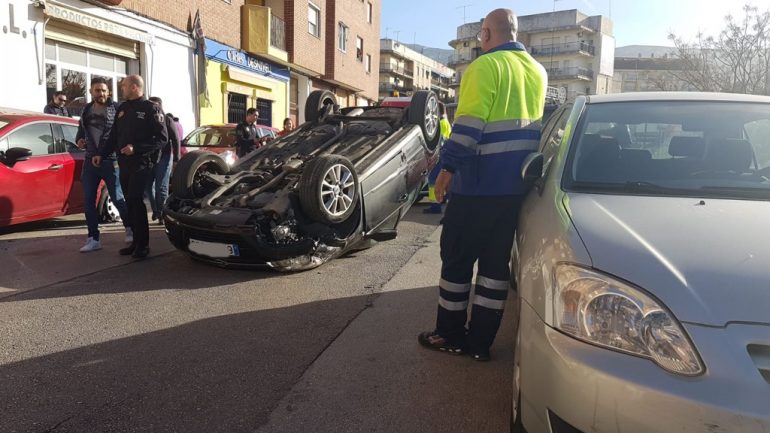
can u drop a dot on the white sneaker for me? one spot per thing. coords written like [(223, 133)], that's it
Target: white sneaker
[(91, 245), (129, 235)]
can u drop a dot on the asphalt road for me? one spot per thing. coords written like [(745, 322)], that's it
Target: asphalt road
[(99, 343)]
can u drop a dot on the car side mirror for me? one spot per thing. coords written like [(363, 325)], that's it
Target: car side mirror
[(532, 167), (16, 154)]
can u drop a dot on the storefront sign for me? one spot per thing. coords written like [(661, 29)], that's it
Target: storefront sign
[(237, 58), (96, 23), (247, 61)]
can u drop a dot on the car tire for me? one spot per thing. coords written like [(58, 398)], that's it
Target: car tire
[(423, 111), (187, 181), (316, 103), (328, 189), (106, 209)]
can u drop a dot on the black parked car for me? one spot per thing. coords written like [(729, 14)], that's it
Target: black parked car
[(341, 179)]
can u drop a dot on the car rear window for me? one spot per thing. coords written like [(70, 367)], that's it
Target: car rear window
[(688, 148), (208, 136)]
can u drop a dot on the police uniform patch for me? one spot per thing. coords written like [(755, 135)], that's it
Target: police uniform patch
[(140, 115), (121, 114), (160, 118)]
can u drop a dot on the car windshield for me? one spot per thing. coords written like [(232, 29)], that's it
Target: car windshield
[(211, 136), (693, 148)]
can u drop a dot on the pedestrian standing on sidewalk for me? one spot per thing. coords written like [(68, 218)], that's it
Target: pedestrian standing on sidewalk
[(246, 133), (157, 188), (502, 95), (93, 132), (435, 206), (57, 105), (138, 135)]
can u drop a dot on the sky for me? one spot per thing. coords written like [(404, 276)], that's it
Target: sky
[(433, 23)]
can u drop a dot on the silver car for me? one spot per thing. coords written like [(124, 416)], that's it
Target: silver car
[(642, 267)]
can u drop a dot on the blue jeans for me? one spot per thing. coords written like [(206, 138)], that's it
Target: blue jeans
[(157, 188), (90, 177)]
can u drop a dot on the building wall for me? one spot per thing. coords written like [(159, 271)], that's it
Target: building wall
[(305, 49), (220, 20), (344, 67), (164, 49), (397, 59)]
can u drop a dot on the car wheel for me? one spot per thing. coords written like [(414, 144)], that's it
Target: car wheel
[(316, 103), (328, 189), (423, 111), (108, 212), (189, 180)]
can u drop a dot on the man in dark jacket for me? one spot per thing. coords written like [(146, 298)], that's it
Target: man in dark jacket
[(246, 134), (157, 189), (56, 106), (93, 132), (138, 135)]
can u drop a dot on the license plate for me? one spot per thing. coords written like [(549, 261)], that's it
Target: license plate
[(213, 249)]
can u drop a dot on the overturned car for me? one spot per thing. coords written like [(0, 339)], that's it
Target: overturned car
[(341, 179)]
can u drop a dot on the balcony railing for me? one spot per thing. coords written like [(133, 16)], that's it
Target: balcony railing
[(390, 69), (568, 48), (570, 74), (277, 32)]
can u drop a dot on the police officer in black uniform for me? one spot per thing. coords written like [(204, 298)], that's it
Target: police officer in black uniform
[(137, 136), (246, 133)]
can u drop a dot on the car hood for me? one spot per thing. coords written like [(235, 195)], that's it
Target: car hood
[(708, 261)]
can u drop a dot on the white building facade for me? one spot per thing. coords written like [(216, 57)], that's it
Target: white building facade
[(61, 45)]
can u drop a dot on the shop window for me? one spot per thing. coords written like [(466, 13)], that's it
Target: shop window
[(265, 108), (313, 19), (236, 107), (73, 84)]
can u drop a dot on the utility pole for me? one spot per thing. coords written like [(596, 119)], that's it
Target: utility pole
[(464, 8)]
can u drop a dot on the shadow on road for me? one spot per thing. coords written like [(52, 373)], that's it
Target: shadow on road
[(223, 374)]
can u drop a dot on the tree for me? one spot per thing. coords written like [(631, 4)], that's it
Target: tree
[(737, 61)]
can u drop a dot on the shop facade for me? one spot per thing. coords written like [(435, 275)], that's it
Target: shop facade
[(237, 81), (61, 45)]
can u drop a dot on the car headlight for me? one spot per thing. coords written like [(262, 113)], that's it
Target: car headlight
[(230, 157), (609, 313)]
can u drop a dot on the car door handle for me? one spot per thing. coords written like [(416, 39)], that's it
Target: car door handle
[(56, 167), (402, 198), (424, 173)]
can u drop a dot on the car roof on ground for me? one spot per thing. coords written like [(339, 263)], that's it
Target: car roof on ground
[(675, 96)]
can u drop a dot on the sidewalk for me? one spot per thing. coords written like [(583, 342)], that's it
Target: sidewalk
[(376, 378)]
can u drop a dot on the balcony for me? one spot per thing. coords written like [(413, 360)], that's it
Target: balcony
[(455, 59), (574, 73), (563, 49), (390, 87), (263, 33), (387, 68)]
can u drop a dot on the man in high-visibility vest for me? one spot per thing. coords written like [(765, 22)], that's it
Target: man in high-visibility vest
[(446, 131), (497, 124)]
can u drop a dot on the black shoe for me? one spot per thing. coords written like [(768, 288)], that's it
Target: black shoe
[(432, 340), (127, 251), (480, 355), (155, 216), (141, 253)]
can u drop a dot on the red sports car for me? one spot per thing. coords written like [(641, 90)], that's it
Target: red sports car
[(40, 168), (220, 139)]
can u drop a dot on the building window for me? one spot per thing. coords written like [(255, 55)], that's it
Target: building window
[(265, 109), (368, 63), (342, 41), (313, 20), (236, 107), (359, 49), (369, 12), (70, 68)]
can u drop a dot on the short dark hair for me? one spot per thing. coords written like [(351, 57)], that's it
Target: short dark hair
[(100, 80), (59, 93), (252, 110), (156, 100)]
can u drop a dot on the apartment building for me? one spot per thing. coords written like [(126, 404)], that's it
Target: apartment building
[(643, 68), (404, 70), (577, 50)]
